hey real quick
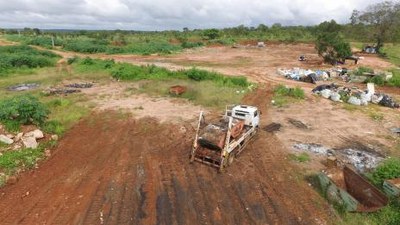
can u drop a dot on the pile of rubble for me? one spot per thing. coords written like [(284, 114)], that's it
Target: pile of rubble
[(27, 140), (362, 160), (304, 75), (23, 87), (67, 89), (355, 96)]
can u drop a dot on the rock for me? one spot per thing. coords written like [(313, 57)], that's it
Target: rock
[(54, 137), (37, 134), (5, 139), (18, 137), (10, 136), (354, 101), (47, 152), (335, 97), (30, 142), (12, 180), (17, 147), (326, 93)]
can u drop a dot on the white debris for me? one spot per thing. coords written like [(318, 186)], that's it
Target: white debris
[(30, 142), (354, 100), (37, 134), (6, 140), (326, 93)]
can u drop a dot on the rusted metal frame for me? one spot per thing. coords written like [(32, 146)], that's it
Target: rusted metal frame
[(226, 146), (196, 137)]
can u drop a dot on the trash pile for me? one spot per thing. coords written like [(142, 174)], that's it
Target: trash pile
[(361, 160), (67, 89), (355, 96), (23, 87), (79, 85), (308, 76)]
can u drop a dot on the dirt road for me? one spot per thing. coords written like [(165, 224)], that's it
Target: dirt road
[(113, 170)]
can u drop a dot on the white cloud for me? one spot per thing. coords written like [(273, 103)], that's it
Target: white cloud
[(171, 14)]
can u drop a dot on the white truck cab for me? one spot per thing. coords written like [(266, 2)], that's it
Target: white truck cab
[(249, 114)]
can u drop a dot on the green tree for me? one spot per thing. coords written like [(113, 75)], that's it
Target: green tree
[(211, 34), (330, 44), (383, 19)]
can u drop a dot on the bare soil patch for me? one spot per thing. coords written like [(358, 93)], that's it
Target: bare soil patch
[(125, 171)]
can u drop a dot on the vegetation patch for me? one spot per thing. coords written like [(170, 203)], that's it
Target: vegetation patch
[(24, 57), (284, 95), (23, 109), (127, 72), (302, 157)]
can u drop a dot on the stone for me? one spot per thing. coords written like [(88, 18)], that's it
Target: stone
[(10, 136), (12, 180), (30, 142), (54, 137), (18, 137), (5, 139), (37, 134), (17, 147), (47, 153)]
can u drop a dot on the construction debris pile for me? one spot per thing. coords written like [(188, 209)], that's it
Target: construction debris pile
[(355, 96), (308, 76), (361, 160), (67, 89)]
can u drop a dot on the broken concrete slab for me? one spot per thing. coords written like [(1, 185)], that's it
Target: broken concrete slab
[(30, 142), (37, 134), (6, 140)]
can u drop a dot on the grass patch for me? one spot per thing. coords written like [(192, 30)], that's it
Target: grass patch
[(25, 158), (129, 72), (205, 93), (376, 116), (284, 95), (302, 157)]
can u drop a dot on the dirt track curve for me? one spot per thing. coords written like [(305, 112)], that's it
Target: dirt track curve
[(113, 170)]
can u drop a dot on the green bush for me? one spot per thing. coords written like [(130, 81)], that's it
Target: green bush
[(282, 90), (25, 109), (378, 80), (53, 127), (44, 41), (14, 57), (361, 70), (86, 46), (395, 80), (389, 169), (187, 44)]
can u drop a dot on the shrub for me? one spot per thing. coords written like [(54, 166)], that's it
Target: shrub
[(378, 80), (187, 44), (389, 169), (25, 109), (211, 34), (282, 90), (53, 127), (361, 70), (14, 57)]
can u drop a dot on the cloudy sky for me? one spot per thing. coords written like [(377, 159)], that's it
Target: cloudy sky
[(171, 14)]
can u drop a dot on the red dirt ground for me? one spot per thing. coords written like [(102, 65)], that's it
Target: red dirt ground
[(113, 170)]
